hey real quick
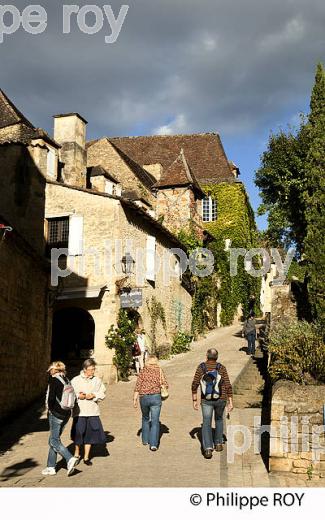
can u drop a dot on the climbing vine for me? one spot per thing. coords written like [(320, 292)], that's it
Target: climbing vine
[(157, 313), (122, 338), (235, 222)]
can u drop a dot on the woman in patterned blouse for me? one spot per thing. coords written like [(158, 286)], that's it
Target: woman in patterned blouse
[(147, 389)]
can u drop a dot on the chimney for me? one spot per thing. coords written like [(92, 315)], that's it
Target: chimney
[(70, 132)]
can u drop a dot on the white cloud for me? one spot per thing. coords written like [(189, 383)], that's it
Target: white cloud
[(292, 33), (177, 126)]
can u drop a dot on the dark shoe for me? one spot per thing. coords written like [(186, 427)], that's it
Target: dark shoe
[(218, 447), (207, 454), (88, 462), (78, 460), (153, 448)]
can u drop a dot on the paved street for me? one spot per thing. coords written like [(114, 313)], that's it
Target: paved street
[(178, 462)]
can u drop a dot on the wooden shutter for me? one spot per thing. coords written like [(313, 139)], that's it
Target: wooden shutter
[(75, 235), (151, 258)]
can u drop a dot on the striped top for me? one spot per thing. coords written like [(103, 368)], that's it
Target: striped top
[(148, 381), (225, 385)]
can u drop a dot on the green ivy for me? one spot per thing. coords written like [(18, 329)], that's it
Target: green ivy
[(181, 343), (122, 339), (235, 221), (157, 313)]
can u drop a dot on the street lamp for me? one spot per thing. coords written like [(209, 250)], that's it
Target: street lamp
[(127, 263)]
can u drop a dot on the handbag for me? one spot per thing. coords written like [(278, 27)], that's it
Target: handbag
[(163, 390)]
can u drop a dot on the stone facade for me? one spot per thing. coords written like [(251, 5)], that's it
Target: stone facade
[(25, 316), (297, 442), (111, 228), (283, 304)]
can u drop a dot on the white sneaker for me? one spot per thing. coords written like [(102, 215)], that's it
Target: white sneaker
[(49, 471), (71, 465)]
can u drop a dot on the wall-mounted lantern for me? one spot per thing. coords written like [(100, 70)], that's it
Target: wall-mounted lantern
[(127, 264)]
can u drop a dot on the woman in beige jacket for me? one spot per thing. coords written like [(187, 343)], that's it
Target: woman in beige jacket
[(87, 428)]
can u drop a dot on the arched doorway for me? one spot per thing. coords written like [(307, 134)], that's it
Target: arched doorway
[(73, 335)]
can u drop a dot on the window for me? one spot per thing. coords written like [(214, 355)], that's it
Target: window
[(58, 232), (209, 210), (65, 232)]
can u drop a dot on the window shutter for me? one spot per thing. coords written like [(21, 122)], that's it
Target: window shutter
[(151, 258), (75, 235), (51, 163)]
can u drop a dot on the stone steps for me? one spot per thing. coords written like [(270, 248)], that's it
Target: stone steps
[(248, 389)]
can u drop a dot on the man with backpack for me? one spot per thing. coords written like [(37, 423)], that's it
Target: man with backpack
[(60, 401), (216, 391)]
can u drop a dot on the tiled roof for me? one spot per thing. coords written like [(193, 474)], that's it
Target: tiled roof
[(95, 171), (204, 153), (9, 114), (178, 174)]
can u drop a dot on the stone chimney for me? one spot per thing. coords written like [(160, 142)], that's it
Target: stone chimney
[(70, 132)]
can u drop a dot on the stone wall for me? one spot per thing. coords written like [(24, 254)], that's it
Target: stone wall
[(104, 154), (109, 227), (283, 304), (296, 442), (22, 194), (25, 324)]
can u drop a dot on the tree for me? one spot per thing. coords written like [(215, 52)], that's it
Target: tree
[(314, 195), (281, 180), (292, 187)]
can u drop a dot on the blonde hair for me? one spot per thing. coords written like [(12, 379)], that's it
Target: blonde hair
[(58, 366), (152, 360)]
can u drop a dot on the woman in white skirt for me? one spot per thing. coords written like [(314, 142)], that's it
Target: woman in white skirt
[(87, 428)]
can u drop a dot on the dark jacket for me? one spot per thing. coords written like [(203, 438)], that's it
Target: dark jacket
[(249, 327), (55, 396)]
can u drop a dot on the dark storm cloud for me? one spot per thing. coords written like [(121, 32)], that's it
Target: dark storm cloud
[(177, 66)]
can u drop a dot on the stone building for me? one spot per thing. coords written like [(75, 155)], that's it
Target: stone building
[(25, 316), (114, 208)]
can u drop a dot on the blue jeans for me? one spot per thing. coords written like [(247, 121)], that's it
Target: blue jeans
[(208, 407), (150, 408), (56, 446), (251, 337)]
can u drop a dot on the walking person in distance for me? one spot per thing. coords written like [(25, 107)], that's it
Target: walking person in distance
[(249, 332)]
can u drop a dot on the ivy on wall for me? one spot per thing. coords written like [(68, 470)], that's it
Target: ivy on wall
[(235, 221)]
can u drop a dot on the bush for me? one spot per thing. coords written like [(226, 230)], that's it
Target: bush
[(181, 343), (122, 339), (297, 352)]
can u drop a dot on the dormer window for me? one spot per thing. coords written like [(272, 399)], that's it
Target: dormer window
[(209, 209)]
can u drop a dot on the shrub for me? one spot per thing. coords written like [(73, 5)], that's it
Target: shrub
[(122, 339), (297, 352), (181, 343)]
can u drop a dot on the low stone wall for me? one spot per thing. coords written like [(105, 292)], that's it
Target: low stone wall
[(297, 438)]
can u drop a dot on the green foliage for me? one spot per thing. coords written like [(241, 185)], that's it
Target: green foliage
[(236, 222), (122, 338), (189, 239), (181, 343), (297, 352), (157, 313), (292, 186), (315, 198), (204, 306), (297, 270), (281, 181)]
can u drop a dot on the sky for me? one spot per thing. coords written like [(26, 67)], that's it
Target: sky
[(242, 68)]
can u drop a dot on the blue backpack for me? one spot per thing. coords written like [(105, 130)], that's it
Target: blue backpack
[(210, 382)]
